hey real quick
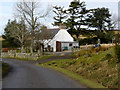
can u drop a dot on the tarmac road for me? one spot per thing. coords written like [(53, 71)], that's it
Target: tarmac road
[(29, 75)]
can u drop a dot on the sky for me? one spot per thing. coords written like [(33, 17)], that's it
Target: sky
[(7, 9)]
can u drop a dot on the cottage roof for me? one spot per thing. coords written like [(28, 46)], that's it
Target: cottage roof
[(53, 32)]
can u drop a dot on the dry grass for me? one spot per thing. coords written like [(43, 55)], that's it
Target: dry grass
[(100, 66)]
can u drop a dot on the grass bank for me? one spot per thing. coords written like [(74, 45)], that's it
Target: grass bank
[(81, 79), (40, 58), (98, 66), (5, 69)]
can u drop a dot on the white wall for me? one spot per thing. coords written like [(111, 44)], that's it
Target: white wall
[(62, 35)]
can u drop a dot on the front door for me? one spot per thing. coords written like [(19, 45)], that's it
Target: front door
[(58, 46)]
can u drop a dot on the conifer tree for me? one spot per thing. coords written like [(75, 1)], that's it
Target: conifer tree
[(60, 15), (76, 17), (100, 19)]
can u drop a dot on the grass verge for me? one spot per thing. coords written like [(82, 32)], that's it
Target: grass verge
[(100, 67), (5, 69), (75, 76), (40, 58)]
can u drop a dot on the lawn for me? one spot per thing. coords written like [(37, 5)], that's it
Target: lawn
[(98, 66)]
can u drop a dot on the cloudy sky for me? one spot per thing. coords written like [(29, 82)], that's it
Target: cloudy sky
[(7, 9)]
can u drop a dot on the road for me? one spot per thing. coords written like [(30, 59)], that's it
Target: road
[(29, 75)]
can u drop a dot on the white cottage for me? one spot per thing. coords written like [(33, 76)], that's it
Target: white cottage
[(61, 40)]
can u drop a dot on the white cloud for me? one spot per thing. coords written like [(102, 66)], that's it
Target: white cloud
[(100, 0), (60, 0)]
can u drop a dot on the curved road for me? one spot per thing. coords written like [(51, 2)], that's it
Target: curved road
[(29, 75)]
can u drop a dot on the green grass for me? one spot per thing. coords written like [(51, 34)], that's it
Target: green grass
[(40, 58), (5, 69), (100, 67), (82, 80), (45, 57)]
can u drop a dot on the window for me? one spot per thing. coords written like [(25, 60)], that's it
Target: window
[(70, 44)]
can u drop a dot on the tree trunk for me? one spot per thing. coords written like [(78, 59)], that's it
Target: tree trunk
[(31, 48), (22, 49), (42, 49)]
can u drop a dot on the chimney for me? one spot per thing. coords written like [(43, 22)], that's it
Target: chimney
[(62, 26)]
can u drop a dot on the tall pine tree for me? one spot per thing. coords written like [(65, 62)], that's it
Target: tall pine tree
[(100, 19), (60, 15), (76, 17)]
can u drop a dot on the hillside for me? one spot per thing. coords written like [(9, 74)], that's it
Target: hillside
[(99, 65)]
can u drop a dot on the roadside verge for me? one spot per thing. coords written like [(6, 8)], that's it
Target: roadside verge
[(5, 69), (75, 76)]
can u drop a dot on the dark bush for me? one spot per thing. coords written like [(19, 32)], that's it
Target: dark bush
[(93, 41), (117, 52), (88, 41), (108, 56), (10, 43)]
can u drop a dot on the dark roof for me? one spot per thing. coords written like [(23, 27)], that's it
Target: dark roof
[(53, 32)]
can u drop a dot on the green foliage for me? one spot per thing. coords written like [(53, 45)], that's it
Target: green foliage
[(117, 46), (90, 51), (5, 69), (117, 52), (10, 42), (33, 59), (76, 14), (15, 33), (81, 79), (107, 57), (105, 37), (105, 72), (27, 50), (88, 41), (100, 19), (60, 12)]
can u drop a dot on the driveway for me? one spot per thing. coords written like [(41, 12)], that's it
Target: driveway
[(29, 75)]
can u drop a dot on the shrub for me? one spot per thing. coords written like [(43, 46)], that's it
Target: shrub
[(81, 53), (18, 51), (117, 51), (90, 51), (27, 50), (87, 41), (107, 57)]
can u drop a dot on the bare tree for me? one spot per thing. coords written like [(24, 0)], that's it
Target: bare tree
[(23, 33), (30, 12)]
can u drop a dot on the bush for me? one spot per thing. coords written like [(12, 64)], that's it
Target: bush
[(18, 50), (90, 51), (88, 41), (10, 43), (108, 56), (117, 52), (81, 53), (27, 50), (93, 41)]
